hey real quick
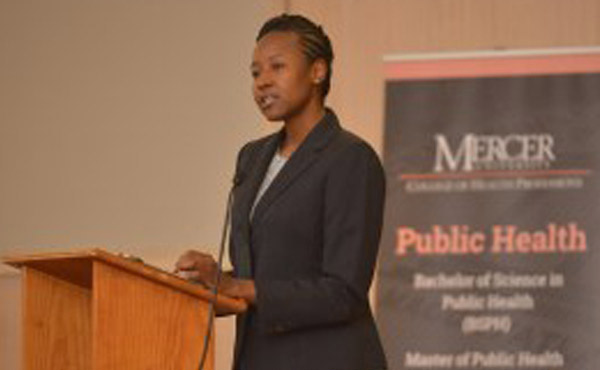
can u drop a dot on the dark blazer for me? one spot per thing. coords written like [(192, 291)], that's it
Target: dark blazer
[(311, 248)]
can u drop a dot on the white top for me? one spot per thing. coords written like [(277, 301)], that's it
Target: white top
[(276, 165)]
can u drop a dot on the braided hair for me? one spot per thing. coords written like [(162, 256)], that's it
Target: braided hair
[(315, 43)]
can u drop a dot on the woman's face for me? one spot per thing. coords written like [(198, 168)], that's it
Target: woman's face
[(284, 82)]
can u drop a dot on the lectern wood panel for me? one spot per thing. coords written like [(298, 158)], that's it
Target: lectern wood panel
[(56, 323), (142, 325), (93, 310)]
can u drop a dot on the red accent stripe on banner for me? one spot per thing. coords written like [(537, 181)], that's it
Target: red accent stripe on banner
[(492, 67), (484, 174)]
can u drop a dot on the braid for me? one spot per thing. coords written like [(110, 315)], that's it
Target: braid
[(315, 43)]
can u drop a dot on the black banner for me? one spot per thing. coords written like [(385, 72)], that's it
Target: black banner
[(489, 255)]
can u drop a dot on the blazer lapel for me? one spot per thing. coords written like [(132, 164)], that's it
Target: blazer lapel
[(304, 157), (245, 195), (264, 157)]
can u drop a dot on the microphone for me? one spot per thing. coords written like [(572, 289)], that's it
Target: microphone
[(237, 180)]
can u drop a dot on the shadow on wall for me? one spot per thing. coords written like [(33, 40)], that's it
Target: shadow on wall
[(10, 321)]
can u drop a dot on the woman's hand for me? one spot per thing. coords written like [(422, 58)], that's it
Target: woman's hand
[(201, 267), (197, 266)]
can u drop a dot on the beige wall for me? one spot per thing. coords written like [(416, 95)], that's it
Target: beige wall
[(363, 31), (119, 125), (10, 320), (120, 120)]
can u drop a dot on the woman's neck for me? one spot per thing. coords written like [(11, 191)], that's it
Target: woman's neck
[(298, 127)]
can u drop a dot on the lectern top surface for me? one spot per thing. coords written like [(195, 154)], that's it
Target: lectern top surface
[(77, 267)]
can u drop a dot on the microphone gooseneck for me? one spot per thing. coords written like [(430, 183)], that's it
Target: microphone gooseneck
[(237, 180)]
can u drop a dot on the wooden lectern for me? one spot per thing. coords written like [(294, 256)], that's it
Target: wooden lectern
[(93, 310)]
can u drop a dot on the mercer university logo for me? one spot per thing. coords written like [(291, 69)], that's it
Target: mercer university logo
[(494, 152)]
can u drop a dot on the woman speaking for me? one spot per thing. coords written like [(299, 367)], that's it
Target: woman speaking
[(306, 219)]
